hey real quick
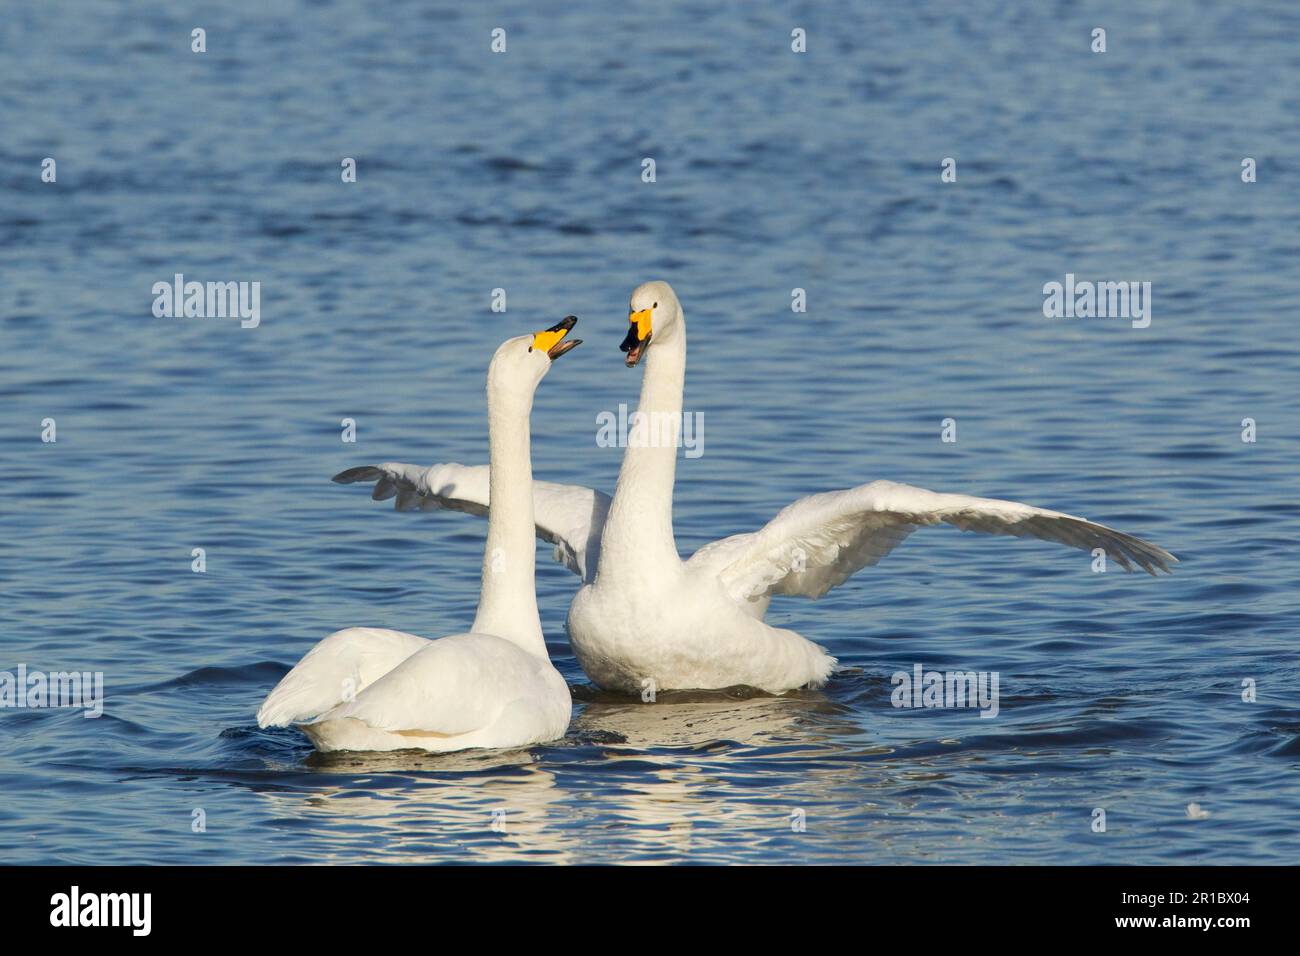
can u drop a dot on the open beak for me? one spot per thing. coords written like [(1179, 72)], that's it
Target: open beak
[(638, 337), (553, 341)]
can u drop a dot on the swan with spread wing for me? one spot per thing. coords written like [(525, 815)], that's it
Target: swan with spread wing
[(646, 618)]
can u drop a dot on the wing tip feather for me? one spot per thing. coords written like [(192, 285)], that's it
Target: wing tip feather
[(360, 473)]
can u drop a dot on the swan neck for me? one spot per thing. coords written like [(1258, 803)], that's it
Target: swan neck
[(638, 533), (507, 605)]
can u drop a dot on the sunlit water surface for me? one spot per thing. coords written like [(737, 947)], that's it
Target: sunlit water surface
[(775, 171)]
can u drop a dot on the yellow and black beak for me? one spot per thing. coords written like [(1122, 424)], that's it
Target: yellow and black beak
[(638, 337), (553, 341)]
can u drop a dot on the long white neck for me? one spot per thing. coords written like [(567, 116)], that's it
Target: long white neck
[(507, 604), (638, 533)]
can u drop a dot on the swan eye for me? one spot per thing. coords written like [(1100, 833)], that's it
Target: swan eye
[(655, 306)]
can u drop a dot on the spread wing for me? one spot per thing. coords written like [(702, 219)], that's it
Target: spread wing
[(819, 542), (568, 516)]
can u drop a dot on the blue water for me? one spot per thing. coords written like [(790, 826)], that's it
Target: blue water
[(775, 171)]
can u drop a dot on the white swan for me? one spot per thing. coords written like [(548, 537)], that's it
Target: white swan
[(644, 618), (373, 689)]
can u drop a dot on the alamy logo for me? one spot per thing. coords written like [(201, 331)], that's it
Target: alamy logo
[(208, 300), (651, 430), (923, 688), (1101, 300), (103, 909), (33, 689)]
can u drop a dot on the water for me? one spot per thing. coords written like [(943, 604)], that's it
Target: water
[(775, 171)]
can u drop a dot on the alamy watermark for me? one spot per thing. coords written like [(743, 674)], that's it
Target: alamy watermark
[(651, 430), (208, 300), (952, 689), (75, 908), (1100, 300), (35, 689)]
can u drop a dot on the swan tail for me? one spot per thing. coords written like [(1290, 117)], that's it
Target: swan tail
[(823, 666), (335, 671)]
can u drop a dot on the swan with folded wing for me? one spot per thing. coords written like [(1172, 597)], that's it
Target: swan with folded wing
[(646, 618), (369, 688)]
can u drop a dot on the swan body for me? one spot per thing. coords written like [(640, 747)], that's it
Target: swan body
[(645, 619), (686, 634), (454, 693), (494, 686)]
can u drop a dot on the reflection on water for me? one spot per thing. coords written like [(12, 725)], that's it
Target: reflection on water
[(696, 718), (424, 808), (639, 777), (666, 750)]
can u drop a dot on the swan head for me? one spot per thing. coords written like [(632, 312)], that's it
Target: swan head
[(654, 313), (521, 362)]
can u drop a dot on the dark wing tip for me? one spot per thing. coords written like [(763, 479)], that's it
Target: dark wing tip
[(362, 473)]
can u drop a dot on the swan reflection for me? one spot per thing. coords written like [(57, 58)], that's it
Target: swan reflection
[(696, 774)]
